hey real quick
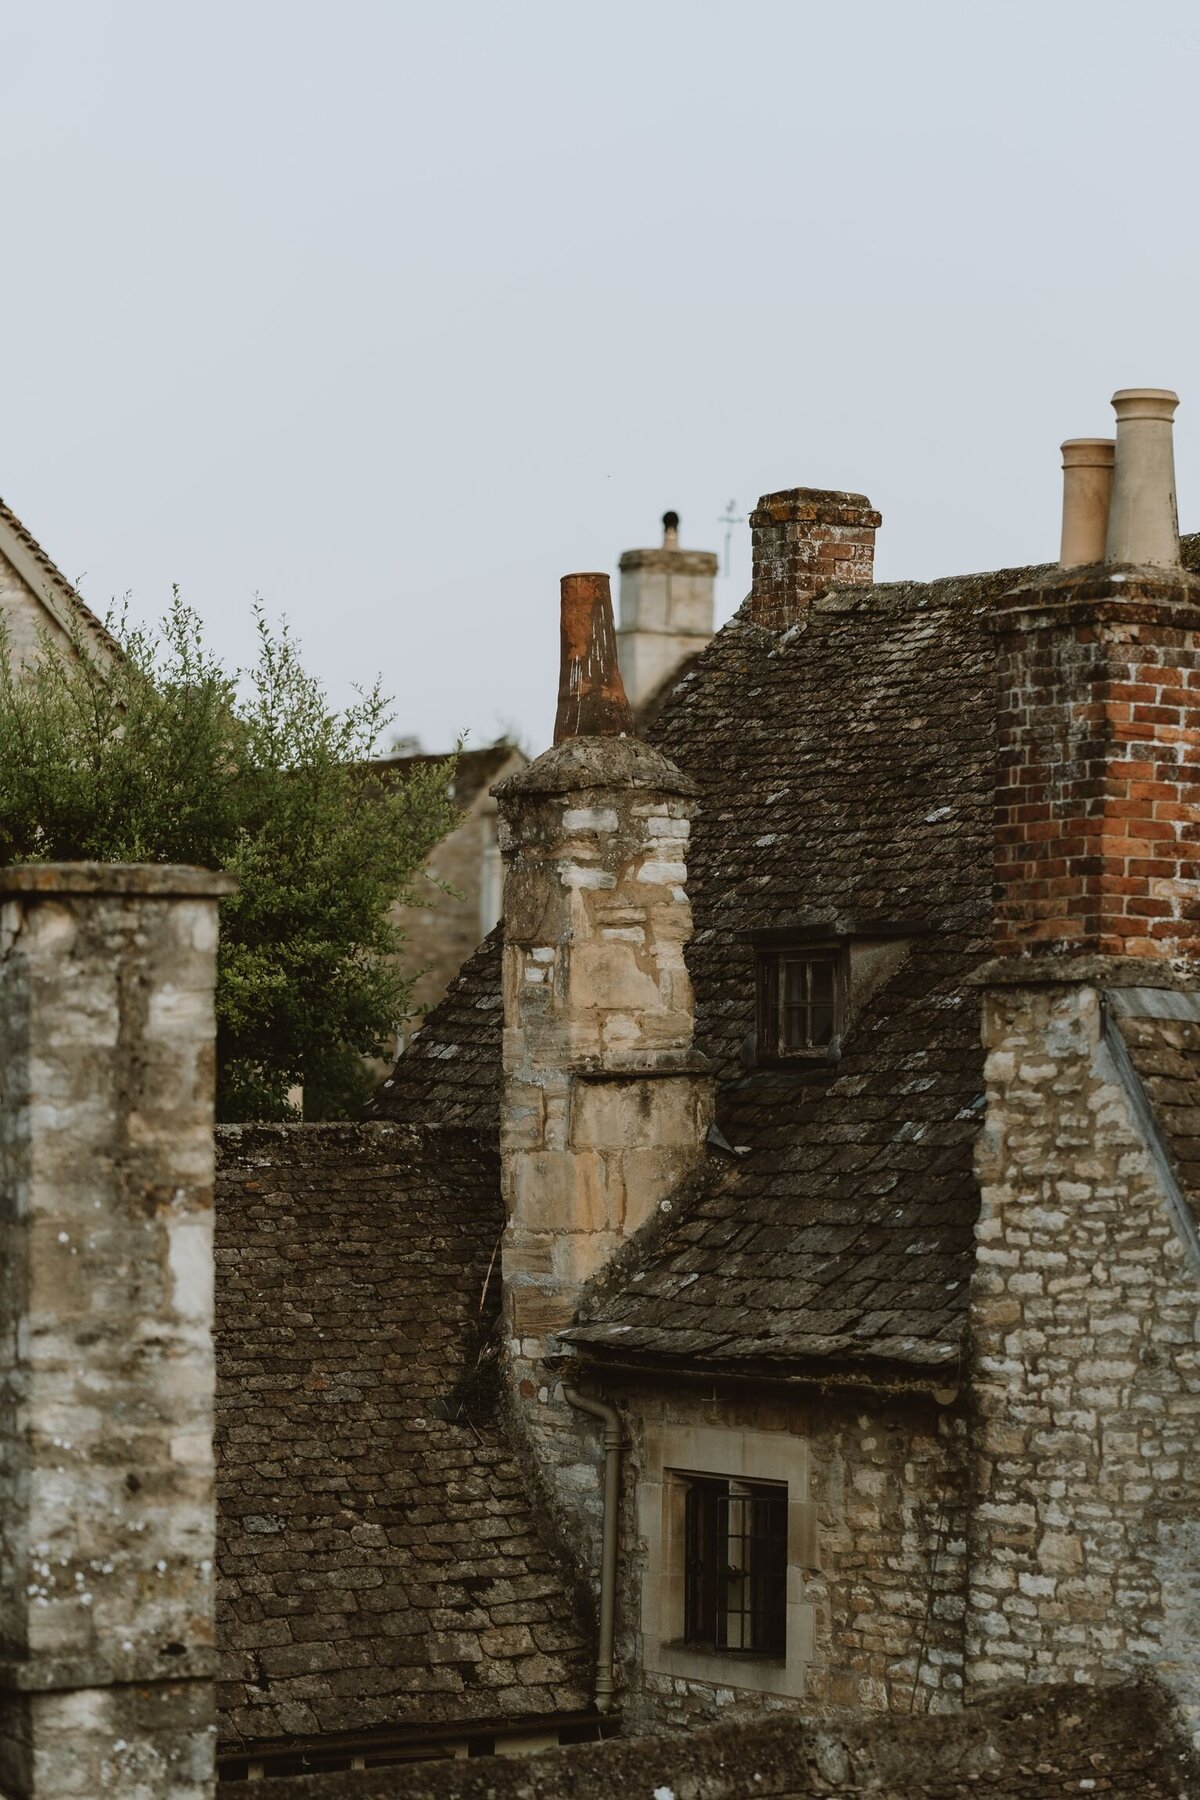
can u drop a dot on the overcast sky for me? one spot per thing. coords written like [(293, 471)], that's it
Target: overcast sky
[(394, 313)]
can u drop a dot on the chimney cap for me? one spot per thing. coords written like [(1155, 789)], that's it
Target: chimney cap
[(670, 521), (1089, 452), (1145, 403)]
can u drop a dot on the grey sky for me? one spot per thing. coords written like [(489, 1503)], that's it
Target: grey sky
[(394, 313)]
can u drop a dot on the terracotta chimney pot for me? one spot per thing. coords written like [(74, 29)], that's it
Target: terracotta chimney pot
[(591, 694), (1087, 489), (1143, 524)]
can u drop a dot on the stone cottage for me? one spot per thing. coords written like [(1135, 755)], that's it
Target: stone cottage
[(37, 601), (846, 1082)]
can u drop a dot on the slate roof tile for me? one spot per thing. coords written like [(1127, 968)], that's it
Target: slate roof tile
[(369, 1547)]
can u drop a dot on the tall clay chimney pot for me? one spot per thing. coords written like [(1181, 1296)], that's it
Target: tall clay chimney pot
[(1143, 524), (591, 694), (1087, 490)]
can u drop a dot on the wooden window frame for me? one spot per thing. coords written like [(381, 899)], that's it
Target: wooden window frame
[(773, 1011)]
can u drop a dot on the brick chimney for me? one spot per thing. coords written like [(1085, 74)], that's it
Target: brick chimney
[(605, 1103), (1098, 719), (804, 542), (666, 611)]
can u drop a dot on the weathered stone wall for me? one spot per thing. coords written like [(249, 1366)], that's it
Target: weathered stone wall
[(887, 1584), (380, 1562), (1121, 1742), (106, 1364), (605, 1107), (443, 929), (24, 618), (1085, 1533)]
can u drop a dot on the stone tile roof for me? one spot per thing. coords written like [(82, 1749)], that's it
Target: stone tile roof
[(450, 1074), (74, 608), (846, 781), (381, 1561), (847, 786), (474, 770)]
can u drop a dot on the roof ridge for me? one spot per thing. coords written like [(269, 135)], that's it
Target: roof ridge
[(16, 537)]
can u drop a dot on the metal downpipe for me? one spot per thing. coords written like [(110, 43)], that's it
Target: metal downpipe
[(600, 1409)]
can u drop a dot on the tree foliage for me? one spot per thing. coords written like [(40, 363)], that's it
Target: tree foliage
[(168, 757)]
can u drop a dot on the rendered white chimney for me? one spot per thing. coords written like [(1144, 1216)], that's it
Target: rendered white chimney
[(666, 611), (1143, 524), (1087, 491)]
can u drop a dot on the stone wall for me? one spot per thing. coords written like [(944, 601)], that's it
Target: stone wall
[(443, 929), (1085, 1534), (106, 1360), (24, 618), (1121, 1742), (886, 1587)]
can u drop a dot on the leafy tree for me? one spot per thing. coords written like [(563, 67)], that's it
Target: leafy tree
[(168, 757)]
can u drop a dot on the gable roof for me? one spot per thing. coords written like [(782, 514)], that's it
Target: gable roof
[(64, 607), (382, 1562), (474, 770), (846, 775)]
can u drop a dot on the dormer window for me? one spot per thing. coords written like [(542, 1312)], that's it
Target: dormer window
[(801, 1003)]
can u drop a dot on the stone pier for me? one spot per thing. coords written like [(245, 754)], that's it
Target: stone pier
[(106, 1361)]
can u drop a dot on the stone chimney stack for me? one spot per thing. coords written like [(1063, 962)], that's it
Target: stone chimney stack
[(606, 1105), (1099, 708), (1087, 490), (666, 611), (1143, 524), (804, 542), (106, 1307)]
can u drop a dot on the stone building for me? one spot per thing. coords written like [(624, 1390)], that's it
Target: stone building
[(37, 601), (460, 905), (900, 1353)]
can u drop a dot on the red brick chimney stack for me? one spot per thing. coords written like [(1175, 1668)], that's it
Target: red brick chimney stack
[(1097, 833), (591, 694), (806, 541)]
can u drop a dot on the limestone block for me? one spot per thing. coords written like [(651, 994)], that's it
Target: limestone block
[(651, 1112), (557, 1191), (609, 976), (536, 1312)]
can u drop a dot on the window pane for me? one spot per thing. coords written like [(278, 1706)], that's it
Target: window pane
[(795, 981), (822, 1025), (702, 1566), (795, 1027), (822, 981)]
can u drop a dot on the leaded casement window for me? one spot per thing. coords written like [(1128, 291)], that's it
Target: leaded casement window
[(735, 1551), (801, 1003)]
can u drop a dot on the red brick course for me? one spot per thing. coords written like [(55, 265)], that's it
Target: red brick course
[(806, 541), (1098, 768)]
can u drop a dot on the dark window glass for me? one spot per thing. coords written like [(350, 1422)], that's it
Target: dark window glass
[(799, 1002), (736, 1566)]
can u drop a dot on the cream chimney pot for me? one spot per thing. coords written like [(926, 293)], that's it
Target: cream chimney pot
[(1087, 488), (1143, 524)]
